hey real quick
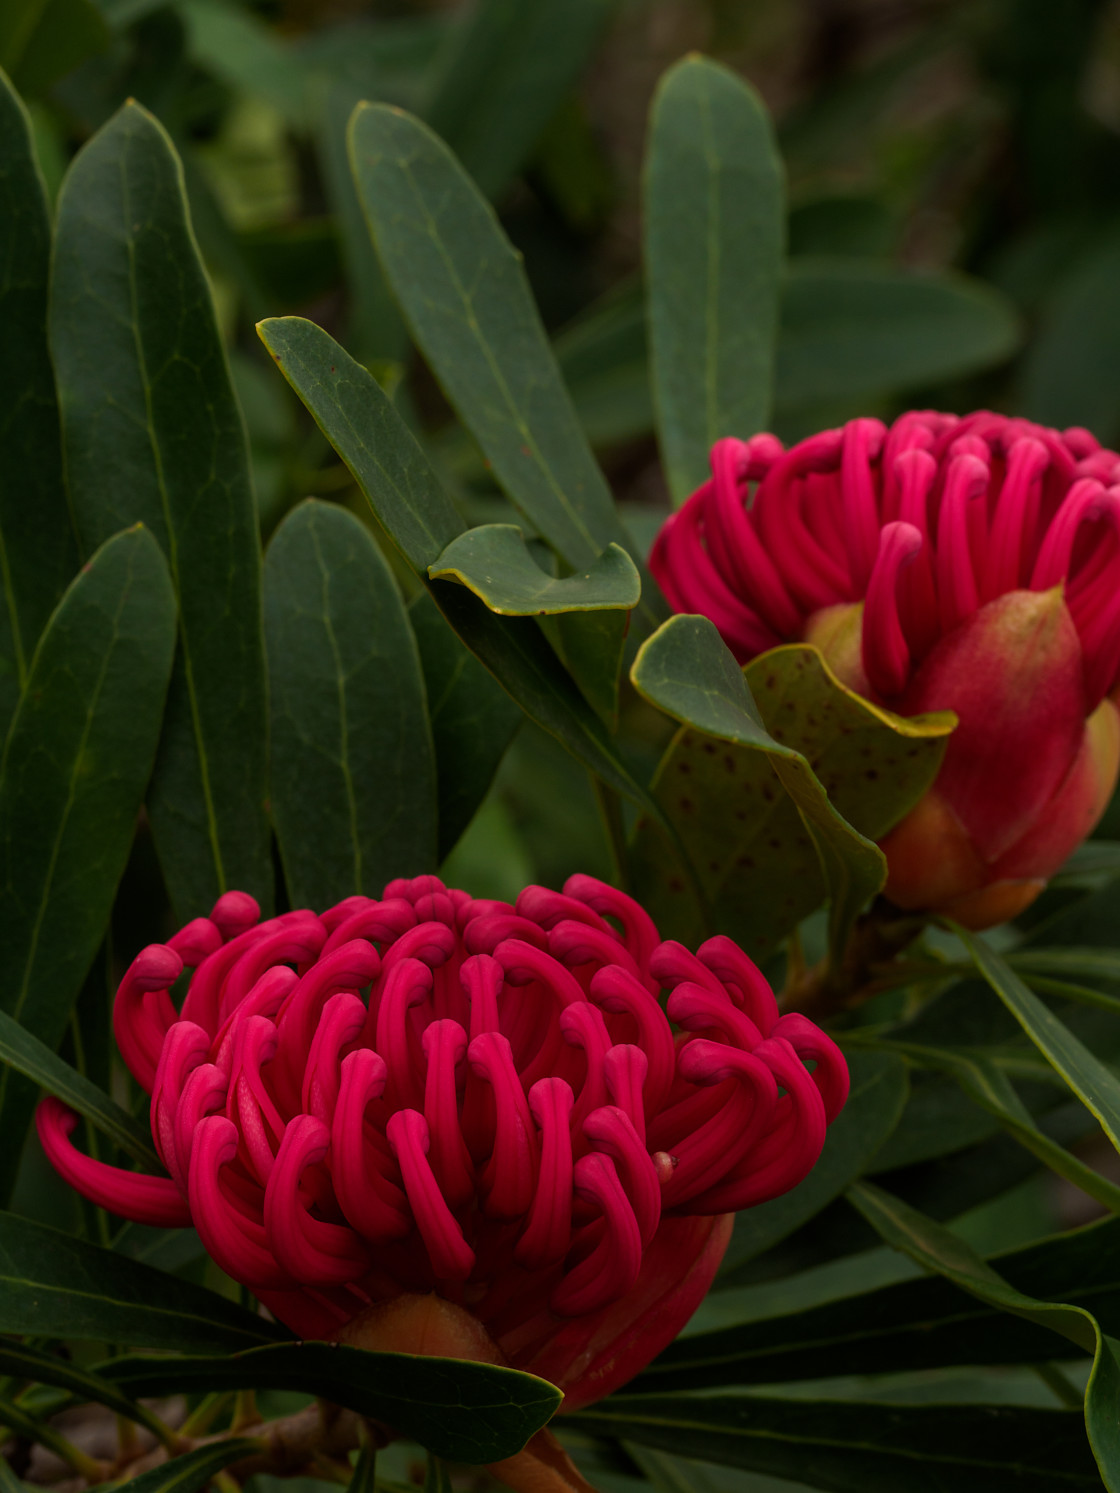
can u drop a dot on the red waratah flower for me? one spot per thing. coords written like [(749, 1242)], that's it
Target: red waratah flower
[(968, 564), (434, 1094)]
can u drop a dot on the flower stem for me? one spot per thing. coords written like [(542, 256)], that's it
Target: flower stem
[(877, 939)]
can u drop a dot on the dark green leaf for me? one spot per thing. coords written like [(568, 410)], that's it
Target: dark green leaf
[(353, 768), (915, 1324), (685, 670), (1096, 1087), (465, 297), (42, 40), (467, 1412), (515, 652), (35, 1060), (494, 562), (36, 537), (986, 1080), (937, 1249), (193, 1470), (875, 1102), (357, 418), (72, 778), (714, 238), (473, 720), (153, 432), (55, 1286), (853, 1447), (403, 491), (508, 69), (856, 331)]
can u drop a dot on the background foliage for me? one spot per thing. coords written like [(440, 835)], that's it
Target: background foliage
[(919, 205)]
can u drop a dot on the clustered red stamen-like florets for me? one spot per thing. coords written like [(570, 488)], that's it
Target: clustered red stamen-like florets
[(966, 508), (429, 1092)]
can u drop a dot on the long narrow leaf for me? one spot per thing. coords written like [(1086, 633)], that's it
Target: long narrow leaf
[(714, 240), (465, 297), (467, 1412), (55, 1286), (38, 552), (853, 1447), (35, 1060), (1090, 1080), (353, 766), (153, 432), (72, 778)]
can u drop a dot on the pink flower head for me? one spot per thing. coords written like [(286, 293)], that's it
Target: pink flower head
[(940, 563), (433, 1094)]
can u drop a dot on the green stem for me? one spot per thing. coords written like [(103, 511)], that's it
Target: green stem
[(22, 1424)]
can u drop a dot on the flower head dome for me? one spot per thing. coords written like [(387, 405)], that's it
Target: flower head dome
[(428, 1093), (968, 564)]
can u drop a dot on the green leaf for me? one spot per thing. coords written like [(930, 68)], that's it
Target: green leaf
[(35, 1060), (1096, 1087), (853, 1447), (516, 653), (398, 482), (72, 779), (57, 1286), (356, 416), (914, 1324), (43, 40), (508, 69), (192, 1470), (875, 1103), (988, 1085), (766, 858), (38, 554), (944, 1253), (591, 645), (23, 1362), (685, 670), (714, 241), (152, 432), (494, 562), (473, 720), (937, 1249), (467, 302), (858, 331), (353, 767), (466, 1412)]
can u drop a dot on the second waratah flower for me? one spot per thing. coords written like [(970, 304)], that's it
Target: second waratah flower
[(967, 564), (432, 1123)]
